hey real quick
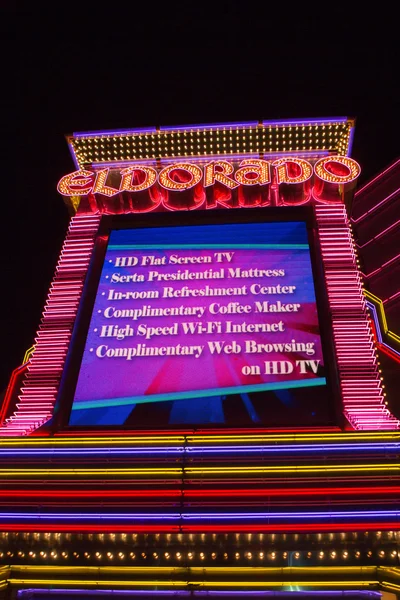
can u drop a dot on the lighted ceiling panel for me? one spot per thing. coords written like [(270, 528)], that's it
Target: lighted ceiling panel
[(308, 136)]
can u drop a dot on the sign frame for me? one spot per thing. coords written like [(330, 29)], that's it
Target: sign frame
[(251, 215)]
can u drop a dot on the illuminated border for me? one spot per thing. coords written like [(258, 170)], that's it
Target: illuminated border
[(202, 578), (154, 438), (282, 136), (45, 367), (201, 483), (360, 382), (361, 386), (195, 593)]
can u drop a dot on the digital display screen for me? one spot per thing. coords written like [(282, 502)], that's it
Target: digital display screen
[(204, 326)]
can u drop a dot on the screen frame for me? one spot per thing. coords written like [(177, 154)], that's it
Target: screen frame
[(69, 380)]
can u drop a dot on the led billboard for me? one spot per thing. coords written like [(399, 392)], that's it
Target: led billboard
[(204, 325)]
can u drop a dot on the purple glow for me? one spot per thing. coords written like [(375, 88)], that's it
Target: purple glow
[(328, 120), (351, 139), (391, 348), (376, 320), (378, 329), (205, 516), (204, 593), (115, 132), (72, 152), (307, 515), (382, 447), (246, 124)]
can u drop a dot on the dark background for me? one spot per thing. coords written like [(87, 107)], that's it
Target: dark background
[(171, 64)]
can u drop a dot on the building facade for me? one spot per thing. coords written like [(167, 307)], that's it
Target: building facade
[(203, 412)]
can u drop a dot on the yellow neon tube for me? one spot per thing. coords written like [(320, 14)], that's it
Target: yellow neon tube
[(97, 441), (200, 583), (301, 438), (171, 471), (290, 571), (28, 354), (226, 438), (390, 586), (379, 304)]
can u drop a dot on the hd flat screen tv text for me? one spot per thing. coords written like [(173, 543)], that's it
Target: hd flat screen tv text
[(208, 325)]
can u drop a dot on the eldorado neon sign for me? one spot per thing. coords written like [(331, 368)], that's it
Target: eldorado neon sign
[(285, 181)]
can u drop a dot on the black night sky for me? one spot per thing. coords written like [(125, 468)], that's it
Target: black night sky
[(174, 64)]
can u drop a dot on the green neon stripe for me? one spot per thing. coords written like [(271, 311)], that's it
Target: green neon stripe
[(207, 246), (259, 387)]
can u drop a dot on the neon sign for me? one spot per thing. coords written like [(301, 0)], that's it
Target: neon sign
[(289, 181), (203, 321)]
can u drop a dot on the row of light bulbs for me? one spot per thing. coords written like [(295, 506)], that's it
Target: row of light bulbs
[(171, 141), (248, 555), (90, 152), (26, 535), (85, 159), (210, 132), (90, 143), (240, 146), (199, 145)]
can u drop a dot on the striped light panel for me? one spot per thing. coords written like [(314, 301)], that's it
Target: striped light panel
[(301, 136), (360, 382), (193, 484), (40, 388)]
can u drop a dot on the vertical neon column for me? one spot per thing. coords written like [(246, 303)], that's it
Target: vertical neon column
[(363, 400), (40, 388)]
